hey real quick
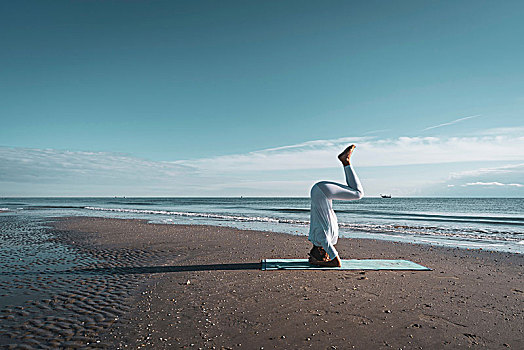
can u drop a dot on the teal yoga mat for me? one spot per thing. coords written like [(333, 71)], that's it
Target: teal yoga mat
[(353, 264)]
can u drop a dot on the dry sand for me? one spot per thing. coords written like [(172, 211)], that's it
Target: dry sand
[(172, 286)]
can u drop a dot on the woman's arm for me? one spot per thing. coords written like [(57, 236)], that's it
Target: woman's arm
[(330, 263)]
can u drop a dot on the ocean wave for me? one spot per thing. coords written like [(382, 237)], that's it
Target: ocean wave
[(495, 220), (131, 203), (462, 233), (36, 207), (202, 215)]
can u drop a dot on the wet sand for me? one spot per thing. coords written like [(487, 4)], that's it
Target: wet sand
[(172, 286), (60, 300)]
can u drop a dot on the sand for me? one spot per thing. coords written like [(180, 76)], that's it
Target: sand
[(173, 286)]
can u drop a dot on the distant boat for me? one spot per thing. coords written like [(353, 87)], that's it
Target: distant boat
[(385, 195)]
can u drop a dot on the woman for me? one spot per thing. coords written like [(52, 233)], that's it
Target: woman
[(323, 229)]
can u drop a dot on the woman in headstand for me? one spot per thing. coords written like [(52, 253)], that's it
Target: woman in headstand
[(323, 229)]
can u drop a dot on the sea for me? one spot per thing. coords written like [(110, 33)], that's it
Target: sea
[(471, 223)]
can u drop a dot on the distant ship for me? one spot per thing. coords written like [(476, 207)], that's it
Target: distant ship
[(385, 195)]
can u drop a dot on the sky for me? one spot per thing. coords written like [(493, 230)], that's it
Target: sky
[(256, 98)]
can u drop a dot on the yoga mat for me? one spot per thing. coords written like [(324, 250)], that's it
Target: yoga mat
[(353, 264)]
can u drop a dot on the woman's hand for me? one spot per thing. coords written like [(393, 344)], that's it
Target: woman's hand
[(330, 263)]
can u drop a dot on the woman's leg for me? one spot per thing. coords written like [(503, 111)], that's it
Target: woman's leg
[(352, 191)]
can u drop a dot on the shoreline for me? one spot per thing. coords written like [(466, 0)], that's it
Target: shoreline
[(202, 285)]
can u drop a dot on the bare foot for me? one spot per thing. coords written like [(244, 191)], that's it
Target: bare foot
[(345, 156)]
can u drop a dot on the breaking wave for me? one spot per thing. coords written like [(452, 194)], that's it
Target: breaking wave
[(462, 233)]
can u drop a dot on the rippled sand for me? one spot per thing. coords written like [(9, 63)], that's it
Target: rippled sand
[(58, 293)]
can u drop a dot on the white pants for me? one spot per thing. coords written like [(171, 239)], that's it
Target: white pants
[(323, 228)]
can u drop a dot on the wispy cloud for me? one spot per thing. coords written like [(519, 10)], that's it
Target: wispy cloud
[(504, 180), (504, 169), (451, 122), (49, 165), (25, 171), (514, 130), (491, 184), (370, 152), (372, 132)]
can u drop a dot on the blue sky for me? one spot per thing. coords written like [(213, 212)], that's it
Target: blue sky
[(219, 98)]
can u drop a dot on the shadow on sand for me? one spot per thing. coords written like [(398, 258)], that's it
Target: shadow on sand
[(124, 270)]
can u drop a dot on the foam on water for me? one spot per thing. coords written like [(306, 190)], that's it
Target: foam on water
[(202, 215), (378, 228)]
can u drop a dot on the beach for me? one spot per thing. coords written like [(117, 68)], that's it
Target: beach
[(173, 286), (166, 167)]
